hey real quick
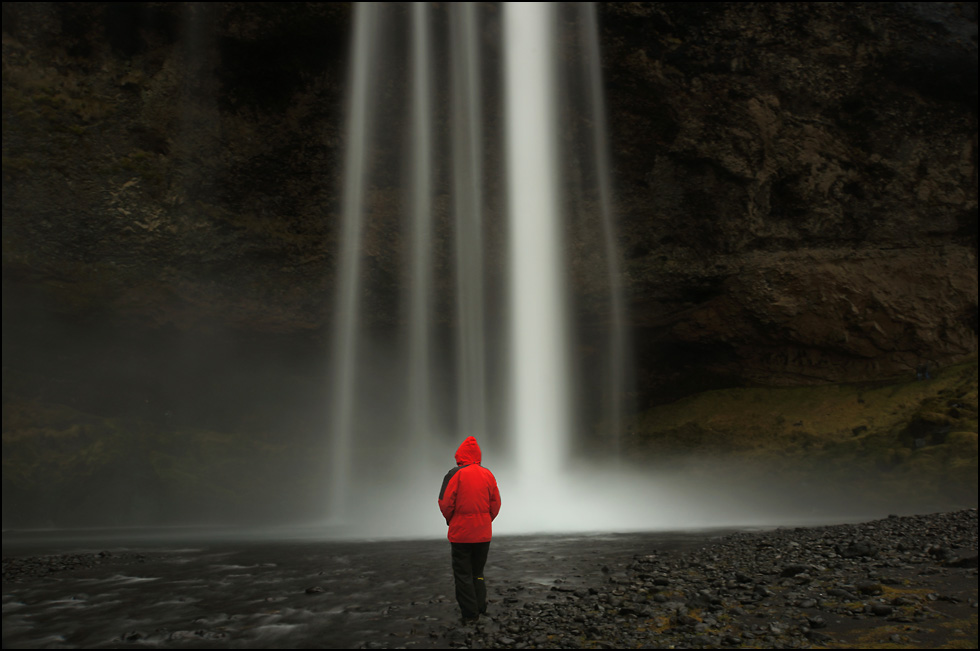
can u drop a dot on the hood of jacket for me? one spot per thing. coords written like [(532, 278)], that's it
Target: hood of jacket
[(468, 452)]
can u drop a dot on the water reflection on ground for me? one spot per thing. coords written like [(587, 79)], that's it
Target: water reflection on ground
[(226, 589)]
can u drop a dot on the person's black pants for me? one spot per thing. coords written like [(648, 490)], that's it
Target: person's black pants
[(471, 591)]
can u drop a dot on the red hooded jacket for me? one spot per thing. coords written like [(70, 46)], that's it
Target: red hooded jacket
[(469, 499)]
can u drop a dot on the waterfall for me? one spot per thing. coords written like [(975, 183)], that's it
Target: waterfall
[(539, 370), (616, 373), (467, 154), (347, 307), (486, 340), (420, 323)]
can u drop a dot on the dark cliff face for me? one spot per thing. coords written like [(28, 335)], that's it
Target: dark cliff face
[(796, 185)]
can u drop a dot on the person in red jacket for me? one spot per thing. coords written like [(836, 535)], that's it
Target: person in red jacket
[(469, 500)]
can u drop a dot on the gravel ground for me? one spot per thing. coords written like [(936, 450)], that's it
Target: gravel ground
[(897, 582), (901, 581)]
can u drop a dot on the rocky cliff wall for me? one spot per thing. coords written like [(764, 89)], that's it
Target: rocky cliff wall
[(795, 184), (797, 173)]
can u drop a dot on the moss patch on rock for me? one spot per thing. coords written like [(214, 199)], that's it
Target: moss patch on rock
[(910, 441), (64, 467)]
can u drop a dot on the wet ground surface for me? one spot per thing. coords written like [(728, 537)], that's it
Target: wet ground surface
[(281, 594), (899, 582)]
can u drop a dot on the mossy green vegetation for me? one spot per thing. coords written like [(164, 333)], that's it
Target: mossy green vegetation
[(911, 443), (914, 441), (47, 114), (64, 467), (953, 634)]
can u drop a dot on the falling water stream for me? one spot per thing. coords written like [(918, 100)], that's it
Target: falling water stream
[(349, 286), (539, 369), (467, 153), (495, 118), (420, 330)]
